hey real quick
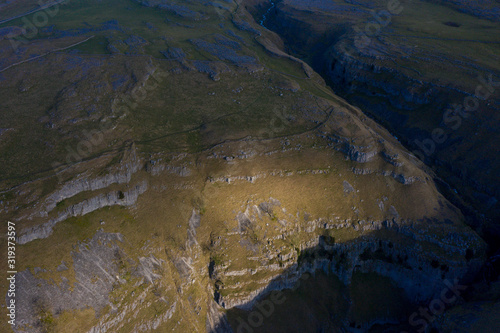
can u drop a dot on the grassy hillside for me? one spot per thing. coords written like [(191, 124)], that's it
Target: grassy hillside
[(166, 161)]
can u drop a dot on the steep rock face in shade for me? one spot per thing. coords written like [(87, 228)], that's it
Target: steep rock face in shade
[(437, 101), (419, 272), (223, 168), (482, 316)]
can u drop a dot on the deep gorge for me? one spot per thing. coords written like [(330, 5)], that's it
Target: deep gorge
[(390, 96)]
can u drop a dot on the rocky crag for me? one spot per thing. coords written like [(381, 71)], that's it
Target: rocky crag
[(440, 102), (187, 166)]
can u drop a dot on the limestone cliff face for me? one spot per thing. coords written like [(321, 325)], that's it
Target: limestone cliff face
[(247, 174), (99, 196), (127, 198), (395, 80), (129, 165), (91, 260), (99, 267), (364, 83), (416, 260), (232, 252)]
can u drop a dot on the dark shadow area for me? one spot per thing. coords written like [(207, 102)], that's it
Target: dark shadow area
[(314, 37), (311, 297)]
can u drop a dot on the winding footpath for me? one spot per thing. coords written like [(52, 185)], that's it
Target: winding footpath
[(55, 3)]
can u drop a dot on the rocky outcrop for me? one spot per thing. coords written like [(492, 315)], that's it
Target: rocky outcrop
[(419, 272), (96, 271), (128, 166), (267, 208), (392, 77), (216, 319), (127, 198), (402, 95), (157, 167), (381, 247), (99, 265)]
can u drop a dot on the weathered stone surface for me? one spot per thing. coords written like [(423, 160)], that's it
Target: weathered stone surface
[(96, 269), (126, 198)]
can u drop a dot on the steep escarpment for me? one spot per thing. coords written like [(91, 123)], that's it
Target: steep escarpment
[(267, 215), (207, 170), (414, 79)]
